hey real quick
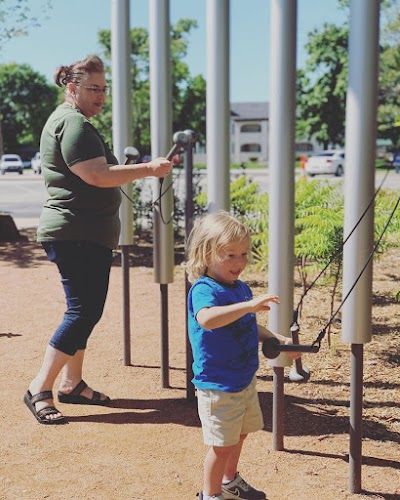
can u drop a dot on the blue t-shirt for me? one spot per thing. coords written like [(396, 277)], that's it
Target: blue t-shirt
[(226, 358)]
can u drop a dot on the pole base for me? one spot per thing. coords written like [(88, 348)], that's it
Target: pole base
[(302, 375)]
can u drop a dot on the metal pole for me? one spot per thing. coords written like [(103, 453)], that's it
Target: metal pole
[(164, 346), (281, 192), (361, 110), (277, 409), (161, 132), (189, 210), (356, 404), (126, 304), (122, 133), (218, 108)]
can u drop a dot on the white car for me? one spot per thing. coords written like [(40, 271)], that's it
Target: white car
[(36, 164), (11, 163), (330, 161)]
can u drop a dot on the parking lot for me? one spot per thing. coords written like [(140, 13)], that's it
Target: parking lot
[(23, 195)]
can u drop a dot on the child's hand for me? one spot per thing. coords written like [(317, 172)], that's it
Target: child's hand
[(264, 333), (261, 303), (292, 355)]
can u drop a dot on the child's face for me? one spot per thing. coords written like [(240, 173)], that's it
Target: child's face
[(231, 262)]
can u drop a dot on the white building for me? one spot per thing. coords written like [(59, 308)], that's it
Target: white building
[(250, 135), (249, 132)]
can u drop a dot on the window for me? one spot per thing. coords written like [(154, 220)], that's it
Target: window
[(255, 127), (250, 148), (304, 146)]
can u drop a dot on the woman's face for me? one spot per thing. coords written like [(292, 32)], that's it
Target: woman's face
[(90, 94)]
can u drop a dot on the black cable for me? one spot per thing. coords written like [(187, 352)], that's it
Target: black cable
[(296, 312), (322, 333), (157, 201)]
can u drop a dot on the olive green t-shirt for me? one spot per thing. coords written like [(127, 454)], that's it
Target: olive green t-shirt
[(75, 210)]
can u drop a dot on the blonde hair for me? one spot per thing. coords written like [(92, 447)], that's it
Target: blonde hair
[(209, 236)]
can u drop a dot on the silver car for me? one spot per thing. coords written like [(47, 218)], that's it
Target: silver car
[(36, 164), (330, 161), (11, 163)]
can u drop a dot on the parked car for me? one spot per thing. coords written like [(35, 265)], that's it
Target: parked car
[(11, 163), (330, 161), (35, 164), (396, 162)]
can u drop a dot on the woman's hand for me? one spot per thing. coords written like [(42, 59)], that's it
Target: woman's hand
[(159, 167)]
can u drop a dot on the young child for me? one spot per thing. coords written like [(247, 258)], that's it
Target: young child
[(224, 336)]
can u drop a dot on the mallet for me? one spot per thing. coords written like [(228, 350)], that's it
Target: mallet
[(132, 155), (181, 140), (271, 348)]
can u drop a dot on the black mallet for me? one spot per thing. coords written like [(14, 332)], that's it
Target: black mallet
[(132, 155)]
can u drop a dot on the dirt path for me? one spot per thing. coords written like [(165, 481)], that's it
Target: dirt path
[(148, 443)]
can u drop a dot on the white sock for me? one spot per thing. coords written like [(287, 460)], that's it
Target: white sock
[(206, 497), (230, 480)]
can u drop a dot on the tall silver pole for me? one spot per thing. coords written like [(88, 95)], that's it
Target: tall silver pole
[(189, 213), (218, 107), (281, 192), (161, 139), (122, 136), (361, 109)]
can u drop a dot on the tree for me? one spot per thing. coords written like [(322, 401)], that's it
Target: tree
[(389, 81), (27, 100), (16, 20), (188, 93), (322, 86)]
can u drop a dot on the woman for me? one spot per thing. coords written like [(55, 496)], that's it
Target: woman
[(78, 228)]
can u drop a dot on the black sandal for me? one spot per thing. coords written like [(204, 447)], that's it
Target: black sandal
[(40, 415), (74, 397)]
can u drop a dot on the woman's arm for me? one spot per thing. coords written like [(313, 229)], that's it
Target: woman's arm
[(97, 172)]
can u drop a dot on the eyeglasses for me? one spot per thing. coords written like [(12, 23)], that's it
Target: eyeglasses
[(96, 90)]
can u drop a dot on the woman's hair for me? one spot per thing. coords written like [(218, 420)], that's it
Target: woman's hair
[(76, 72), (209, 236)]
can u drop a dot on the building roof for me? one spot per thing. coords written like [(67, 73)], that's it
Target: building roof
[(250, 110)]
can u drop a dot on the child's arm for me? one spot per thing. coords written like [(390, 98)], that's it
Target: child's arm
[(264, 333), (219, 316)]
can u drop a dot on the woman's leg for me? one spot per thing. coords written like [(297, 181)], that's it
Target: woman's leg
[(84, 271), (84, 268), (72, 374), (53, 362)]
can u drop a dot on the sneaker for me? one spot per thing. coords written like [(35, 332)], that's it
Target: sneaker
[(239, 489), (216, 497)]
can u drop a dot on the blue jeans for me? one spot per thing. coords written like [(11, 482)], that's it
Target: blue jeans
[(85, 270)]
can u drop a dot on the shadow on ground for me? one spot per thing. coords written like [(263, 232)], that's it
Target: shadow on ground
[(27, 252)]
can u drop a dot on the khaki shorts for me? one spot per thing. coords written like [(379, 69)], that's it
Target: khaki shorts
[(225, 416)]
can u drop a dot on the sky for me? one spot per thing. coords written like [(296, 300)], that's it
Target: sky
[(68, 33)]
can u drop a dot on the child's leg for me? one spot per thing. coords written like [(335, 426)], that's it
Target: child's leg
[(231, 465), (215, 463)]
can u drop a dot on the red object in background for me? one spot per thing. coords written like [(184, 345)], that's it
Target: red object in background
[(176, 159), (303, 161)]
